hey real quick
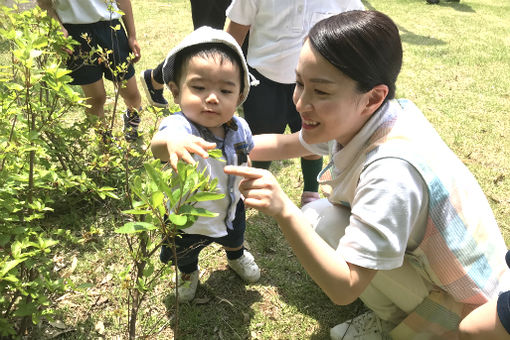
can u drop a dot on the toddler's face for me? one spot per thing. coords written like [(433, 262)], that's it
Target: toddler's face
[(209, 91)]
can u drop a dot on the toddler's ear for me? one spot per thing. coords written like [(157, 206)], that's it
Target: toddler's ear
[(240, 99), (175, 91)]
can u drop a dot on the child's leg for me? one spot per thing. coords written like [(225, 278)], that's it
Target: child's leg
[(130, 94), (133, 101), (311, 166), (188, 248), (265, 109), (96, 97), (157, 77), (239, 259), (233, 242), (152, 83)]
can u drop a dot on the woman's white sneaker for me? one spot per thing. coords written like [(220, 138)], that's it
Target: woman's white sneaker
[(366, 326)]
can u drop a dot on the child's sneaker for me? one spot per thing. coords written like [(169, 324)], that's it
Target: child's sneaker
[(188, 286), (155, 97), (106, 136), (131, 122), (366, 326), (246, 267)]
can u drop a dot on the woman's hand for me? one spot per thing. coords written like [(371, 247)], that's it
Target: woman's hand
[(261, 190)]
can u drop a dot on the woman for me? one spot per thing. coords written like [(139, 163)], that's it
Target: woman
[(406, 227)]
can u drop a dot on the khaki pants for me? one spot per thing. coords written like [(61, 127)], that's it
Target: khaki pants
[(401, 296)]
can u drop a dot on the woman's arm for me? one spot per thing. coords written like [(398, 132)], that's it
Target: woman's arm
[(271, 147), (341, 281)]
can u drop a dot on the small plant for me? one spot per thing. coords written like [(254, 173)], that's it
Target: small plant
[(163, 203)]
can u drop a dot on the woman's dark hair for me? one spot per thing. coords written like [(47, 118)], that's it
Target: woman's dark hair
[(207, 50), (364, 45)]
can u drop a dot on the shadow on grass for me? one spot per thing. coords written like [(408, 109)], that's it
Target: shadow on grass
[(458, 6), (410, 37), (294, 292), (222, 309), (416, 39)]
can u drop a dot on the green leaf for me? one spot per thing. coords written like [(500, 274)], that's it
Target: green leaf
[(10, 278), (136, 187), (157, 199), (178, 219), (190, 210), (181, 170), (25, 309), (136, 212), (4, 239), (205, 196), (216, 154), (135, 227), (148, 270), (7, 266), (157, 178)]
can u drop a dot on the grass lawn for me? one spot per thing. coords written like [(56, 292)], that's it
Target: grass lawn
[(455, 69)]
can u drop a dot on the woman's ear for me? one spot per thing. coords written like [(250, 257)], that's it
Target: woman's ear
[(175, 92), (374, 98)]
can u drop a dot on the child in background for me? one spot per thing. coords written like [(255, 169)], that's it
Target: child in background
[(97, 18), (209, 78), (204, 13), (277, 29)]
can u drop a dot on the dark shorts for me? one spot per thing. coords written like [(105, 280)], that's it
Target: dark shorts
[(504, 310), (101, 34), (504, 303), (189, 246), (269, 107)]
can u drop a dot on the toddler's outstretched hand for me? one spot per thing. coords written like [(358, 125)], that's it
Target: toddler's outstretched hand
[(180, 146)]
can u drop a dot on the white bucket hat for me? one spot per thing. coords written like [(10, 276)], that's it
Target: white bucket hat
[(206, 35)]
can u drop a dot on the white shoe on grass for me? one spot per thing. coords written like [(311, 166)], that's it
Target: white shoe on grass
[(246, 267), (366, 326)]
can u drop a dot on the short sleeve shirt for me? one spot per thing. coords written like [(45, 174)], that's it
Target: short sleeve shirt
[(278, 29), (388, 214), (236, 146), (85, 11)]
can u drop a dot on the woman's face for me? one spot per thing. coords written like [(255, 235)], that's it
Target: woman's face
[(327, 100)]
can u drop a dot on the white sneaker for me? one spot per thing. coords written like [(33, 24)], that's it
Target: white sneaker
[(188, 288), (363, 327), (246, 267)]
